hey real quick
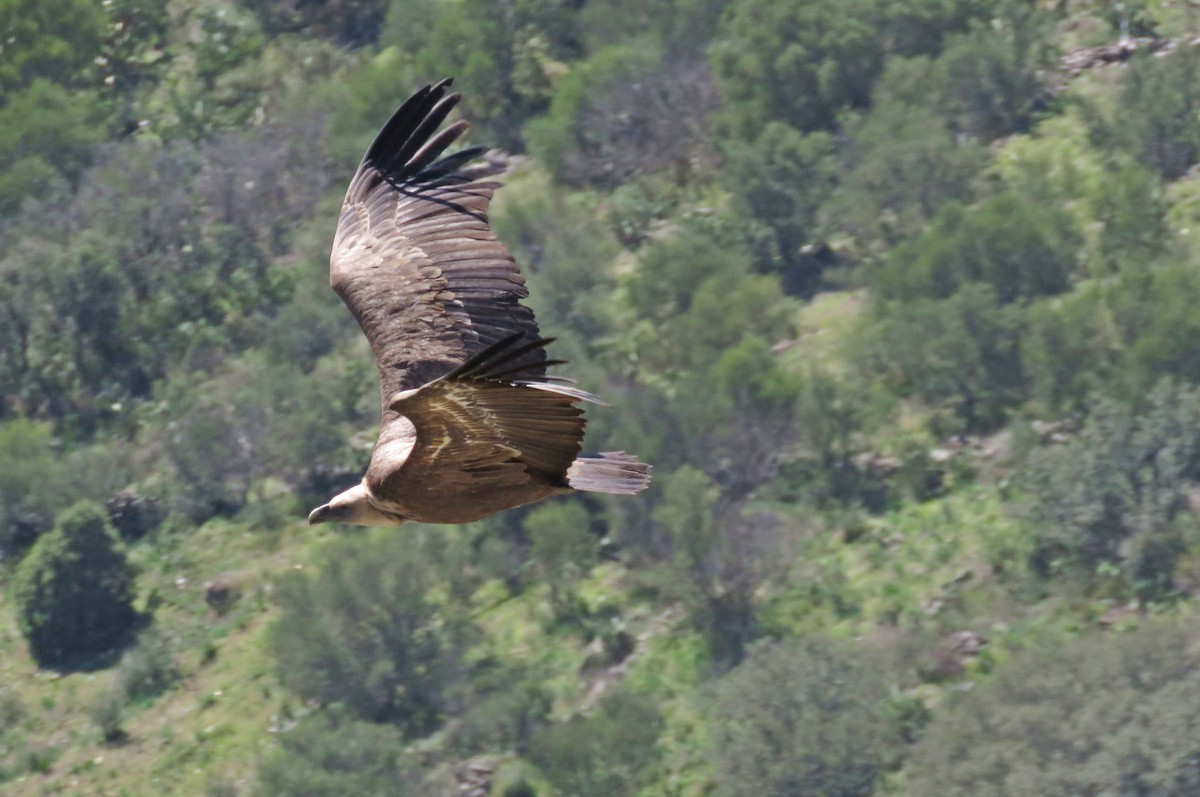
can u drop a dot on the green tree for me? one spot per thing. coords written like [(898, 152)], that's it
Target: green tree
[(778, 182), (625, 111), (366, 631), (1157, 109), (1109, 714), (722, 553), (902, 166), (564, 550), (47, 134), (1018, 247), (988, 83), (801, 719), (1117, 492), (332, 754), (1070, 348), (30, 475), (351, 22), (607, 753), (1129, 202), (694, 296), (834, 413), (506, 57), (51, 39), (683, 26), (1154, 312), (804, 63), (962, 353), (74, 590), (798, 63), (560, 241)]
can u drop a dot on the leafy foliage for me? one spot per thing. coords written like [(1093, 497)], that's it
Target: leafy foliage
[(55, 40), (1019, 249), (47, 136), (817, 254), (804, 719), (29, 471), (1115, 494), (365, 632), (609, 752), (962, 353), (766, 48), (563, 550), (353, 22), (74, 590), (626, 111), (778, 181), (1159, 102), (903, 165), (332, 754), (1117, 712)]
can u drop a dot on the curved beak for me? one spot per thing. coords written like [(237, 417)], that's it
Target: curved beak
[(319, 515)]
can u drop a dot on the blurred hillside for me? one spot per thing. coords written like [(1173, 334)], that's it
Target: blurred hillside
[(899, 297)]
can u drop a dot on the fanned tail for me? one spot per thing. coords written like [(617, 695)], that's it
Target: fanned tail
[(611, 472)]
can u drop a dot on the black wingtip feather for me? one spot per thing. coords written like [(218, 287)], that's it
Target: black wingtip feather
[(409, 144), (494, 358)]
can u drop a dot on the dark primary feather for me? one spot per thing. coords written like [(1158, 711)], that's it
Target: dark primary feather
[(414, 257)]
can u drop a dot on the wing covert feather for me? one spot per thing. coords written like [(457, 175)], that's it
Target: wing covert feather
[(491, 418)]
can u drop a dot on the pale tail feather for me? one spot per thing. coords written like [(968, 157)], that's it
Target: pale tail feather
[(611, 472)]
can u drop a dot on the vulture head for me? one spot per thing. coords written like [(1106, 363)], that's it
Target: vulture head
[(353, 506)]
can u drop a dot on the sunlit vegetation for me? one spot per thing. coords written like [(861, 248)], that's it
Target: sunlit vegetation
[(902, 309)]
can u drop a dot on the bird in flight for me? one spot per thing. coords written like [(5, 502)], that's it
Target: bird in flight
[(472, 424)]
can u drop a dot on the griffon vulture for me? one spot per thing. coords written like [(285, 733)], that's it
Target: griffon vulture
[(471, 422)]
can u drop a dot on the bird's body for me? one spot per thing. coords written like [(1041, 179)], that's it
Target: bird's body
[(471, 425)]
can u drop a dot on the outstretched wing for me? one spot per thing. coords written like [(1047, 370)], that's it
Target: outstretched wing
[(414, 257), (489, 423)]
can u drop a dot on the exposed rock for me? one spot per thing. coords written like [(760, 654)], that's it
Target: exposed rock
[(952, 653), (474, 777), (224, 591), (133, 515)]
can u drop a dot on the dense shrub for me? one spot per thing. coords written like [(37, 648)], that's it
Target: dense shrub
[(1157, 107), (988, 83), (902, 164), (1018, 247), (30, 470), (366, 631), (766, 50), (625, 112), (1116, 492), (1119, 714), (778, 181), (51, 39), (560, 241), (607, 753), (563, 549), (74, 591), (506, 708), (801, 719), (47, 136), (352, 22), (722, 554), (149, 668), (506, 57), (331, 754), (961, 353)]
